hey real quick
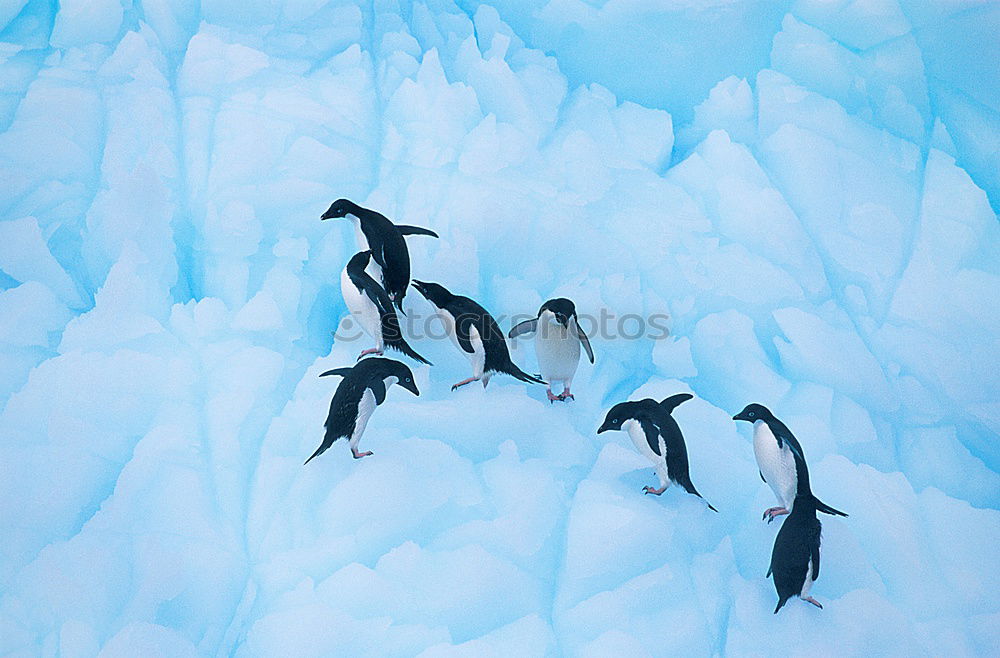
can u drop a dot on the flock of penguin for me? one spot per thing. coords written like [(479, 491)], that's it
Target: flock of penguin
[(374, 283)]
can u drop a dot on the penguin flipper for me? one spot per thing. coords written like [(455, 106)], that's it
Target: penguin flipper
[(525, 327), (762, 477), (785, 437), (791, 446), (378, 390), (669, 404), (416, 230), (340, 372), (377, 250), (652, 433), (584, 341), (366, 284), (463, 331)]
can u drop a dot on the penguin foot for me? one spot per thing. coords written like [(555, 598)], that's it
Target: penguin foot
[(566, 395), (651, 490), (772, 512), (552, 396), (455, 387), (373, 350), (814, 602), (359, 455)]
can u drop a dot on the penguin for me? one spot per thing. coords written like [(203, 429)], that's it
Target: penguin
[(368, 302), (362, 389), (657, 437), (795, 557), (475, 333), (378, 234), (781, 462), (558, 338)]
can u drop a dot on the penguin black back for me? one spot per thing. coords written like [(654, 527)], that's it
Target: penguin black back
[(392, 333), (758, 412), (369, 373), (677, 457), (386, 243), (795, 557), (467, 313), (657, 421)]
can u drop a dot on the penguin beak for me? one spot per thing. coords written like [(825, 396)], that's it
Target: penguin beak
[(419, 285), (411, 387), (603, 428), (328, 215), (740, 416)]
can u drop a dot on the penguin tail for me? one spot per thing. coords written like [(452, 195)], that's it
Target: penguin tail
[(669, 404), (393, 337), (781, 603), (404, 347), (319, 451), (328, 440), (689, 487), (517, 373), (826, 509)]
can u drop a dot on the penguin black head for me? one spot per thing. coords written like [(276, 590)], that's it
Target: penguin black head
[(404, 376), (379, 367), (754, 412), (341, 208), (561, 307), (359, 261), (617, 415), (434, 293)]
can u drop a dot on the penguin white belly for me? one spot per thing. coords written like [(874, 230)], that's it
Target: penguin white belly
[(365, 408), (558, 352), (448, 322), (373, 268), (808, 582), (375, 271), (638, 436), (362, 309), (362, 240), (776, 464), (478, 356)]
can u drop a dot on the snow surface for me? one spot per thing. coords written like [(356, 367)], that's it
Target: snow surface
[(808, 189)]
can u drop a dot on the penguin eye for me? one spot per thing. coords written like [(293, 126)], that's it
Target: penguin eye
[(752, 413), (614, 421)]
